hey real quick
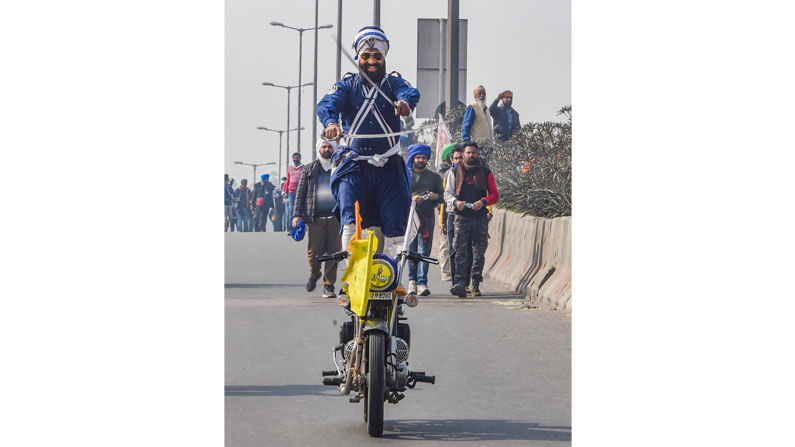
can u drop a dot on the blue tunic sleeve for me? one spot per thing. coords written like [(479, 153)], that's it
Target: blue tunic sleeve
[(404, 91), (333, 102), (466, 125)]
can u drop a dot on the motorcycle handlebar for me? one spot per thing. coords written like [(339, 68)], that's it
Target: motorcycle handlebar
[(416, 257), (340, 255)]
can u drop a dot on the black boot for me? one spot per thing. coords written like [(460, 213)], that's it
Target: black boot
[(459, 290)]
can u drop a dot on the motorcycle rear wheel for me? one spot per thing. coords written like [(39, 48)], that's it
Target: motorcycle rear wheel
[(375, 383)]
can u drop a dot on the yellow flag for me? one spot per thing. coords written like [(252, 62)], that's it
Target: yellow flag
[(356, 279)]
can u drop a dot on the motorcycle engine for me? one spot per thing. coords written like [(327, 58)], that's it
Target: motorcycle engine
[(401, 349), (398, 376), (347, 353)]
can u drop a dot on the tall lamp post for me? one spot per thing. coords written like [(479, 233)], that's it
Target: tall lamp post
[(288, 88), (254, 180), (339, 38), (280, 132), (314, 89), (300, 56)]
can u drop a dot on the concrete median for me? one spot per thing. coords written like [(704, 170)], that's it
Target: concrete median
[(532, 254)]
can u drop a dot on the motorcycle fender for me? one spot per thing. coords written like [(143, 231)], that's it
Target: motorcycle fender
[(372, 325)]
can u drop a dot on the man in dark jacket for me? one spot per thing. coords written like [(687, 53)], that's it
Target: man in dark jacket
[(426, 192), (229, 198), (243, 197), (313, 205), (470, 188), (506, 119), (447, 219), (263, 200), (278, 209)]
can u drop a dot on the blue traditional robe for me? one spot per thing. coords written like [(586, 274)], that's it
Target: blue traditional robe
[(383, 192)]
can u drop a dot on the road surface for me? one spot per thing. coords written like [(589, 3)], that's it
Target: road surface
[(503, 370)]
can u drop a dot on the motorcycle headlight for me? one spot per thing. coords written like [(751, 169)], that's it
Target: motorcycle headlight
[(343, 300)]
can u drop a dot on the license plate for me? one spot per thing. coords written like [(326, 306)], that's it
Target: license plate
[(381, 295)]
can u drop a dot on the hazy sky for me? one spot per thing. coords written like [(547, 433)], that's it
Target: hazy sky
[(524, 46)]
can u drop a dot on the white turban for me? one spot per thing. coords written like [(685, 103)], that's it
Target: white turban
[(324, 162), (371, 37)]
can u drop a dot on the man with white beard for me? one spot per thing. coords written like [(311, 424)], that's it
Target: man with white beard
[(313, 205), (477, 125)]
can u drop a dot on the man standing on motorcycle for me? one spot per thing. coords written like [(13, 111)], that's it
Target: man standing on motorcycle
[(369, 170)]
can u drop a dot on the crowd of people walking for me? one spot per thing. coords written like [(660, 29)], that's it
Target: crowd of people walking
[(461, 194), (247, 209)]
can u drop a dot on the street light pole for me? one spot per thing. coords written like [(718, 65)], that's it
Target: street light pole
[(300, 52), (300, 58), (280, 132), (339, 38), (254, 179), (314, 82), (288, 88), (451, 93), (314, 92)]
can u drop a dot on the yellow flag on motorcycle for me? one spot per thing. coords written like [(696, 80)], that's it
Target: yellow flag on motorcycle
[(356, 279)]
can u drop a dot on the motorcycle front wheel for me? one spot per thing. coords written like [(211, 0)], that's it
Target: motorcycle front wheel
[(375, 383)]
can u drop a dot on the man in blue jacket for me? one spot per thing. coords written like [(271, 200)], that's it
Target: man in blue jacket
[(367, 164), (506, 119)]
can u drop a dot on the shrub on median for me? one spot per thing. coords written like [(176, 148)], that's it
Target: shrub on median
[(532, 168)]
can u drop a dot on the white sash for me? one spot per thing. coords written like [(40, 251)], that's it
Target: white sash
[(379, 160)]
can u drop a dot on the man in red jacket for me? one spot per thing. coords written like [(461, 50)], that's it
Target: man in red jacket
[(470, 189), (291, 185)]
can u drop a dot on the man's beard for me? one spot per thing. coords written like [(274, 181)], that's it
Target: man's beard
[(325, 161), (378, 75), (474, 162), (420, 165), (481, 102)]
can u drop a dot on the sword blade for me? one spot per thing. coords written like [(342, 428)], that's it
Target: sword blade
[(375, 135)]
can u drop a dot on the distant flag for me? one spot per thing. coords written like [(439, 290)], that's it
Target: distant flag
[(443, 138)]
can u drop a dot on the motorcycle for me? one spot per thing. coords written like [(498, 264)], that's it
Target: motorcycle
[(371, 359)]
